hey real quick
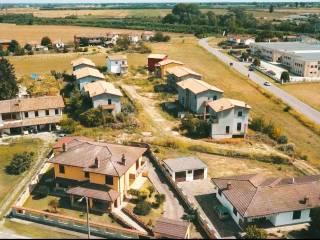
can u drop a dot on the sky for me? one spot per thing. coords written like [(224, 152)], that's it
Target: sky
[(142, 1)]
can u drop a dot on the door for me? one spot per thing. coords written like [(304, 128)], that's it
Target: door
[(227, 129), (198, 174), (180, 176)]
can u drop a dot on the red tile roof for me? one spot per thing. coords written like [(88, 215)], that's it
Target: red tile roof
[(255, 195), (171, 228)]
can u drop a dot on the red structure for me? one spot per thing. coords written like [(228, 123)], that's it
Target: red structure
[(153, 59)]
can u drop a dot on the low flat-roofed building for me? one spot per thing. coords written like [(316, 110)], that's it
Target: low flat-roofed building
[(37, 113), (194, 93), (257, 198), (301, 59), (180, 73), (104, 94), (87, 75), (229, 118), (171, 229), (186, 169)]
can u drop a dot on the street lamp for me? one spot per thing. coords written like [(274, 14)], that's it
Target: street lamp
[(88, 224)]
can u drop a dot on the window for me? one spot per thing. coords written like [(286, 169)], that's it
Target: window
[(215, 97), (61, 169), (235, 211), (109, 180), (47, 112), (26, 114), (109, 101), (116, 62), (56, 111), (86, 174), (36, 113), (239, 126), (296, 215), (240, 114), (227, 129), (220, 192), (189, 171)]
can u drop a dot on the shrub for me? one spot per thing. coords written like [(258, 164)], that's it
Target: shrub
[(282, 139), (287, 109), (285, 77), (133, 192), (288, 149), (20, 163), (195, 127), (160, 198), (43, 191), (143, 194), (92, 118), (159, 37), (127, 108), (151, 190), (68, 125), (142, 208), (253, 232)]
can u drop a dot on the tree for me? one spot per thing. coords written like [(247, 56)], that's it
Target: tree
[(253, 232), (8, 82), (46, 41), (195, 127), (20, 163), (94, 117), (159, 37), (285, 77), (13, 46), (271, 8), (143, 208), (314, 227), (123, 43), (68, 125)]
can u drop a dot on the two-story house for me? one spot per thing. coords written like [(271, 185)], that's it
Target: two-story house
[(87, 75), (104, 94), (82, 63), (180, 73), (103, 172), (153, 59), (117, 64), (256, 198), (229, 117), (193, 94), (39, 113)]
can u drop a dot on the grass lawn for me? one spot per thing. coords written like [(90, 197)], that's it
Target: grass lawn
[(8, 182), (306, 92), (36, 231), (155, 213), (65, 209)]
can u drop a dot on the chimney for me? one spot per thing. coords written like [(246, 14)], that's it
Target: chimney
[(64, 147), (229, 185), (123, 159), (96, 162), (306, 200)]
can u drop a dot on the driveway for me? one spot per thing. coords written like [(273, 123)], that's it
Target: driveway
[(295, 103), (172, 207), (203, 194)]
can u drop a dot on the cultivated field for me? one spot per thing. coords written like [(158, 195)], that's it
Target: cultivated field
[(122, 13), (307, 92)]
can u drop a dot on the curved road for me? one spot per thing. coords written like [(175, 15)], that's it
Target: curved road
[(293, 102)]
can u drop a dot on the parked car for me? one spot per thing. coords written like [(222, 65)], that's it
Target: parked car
[(271, 72), (267, 84)]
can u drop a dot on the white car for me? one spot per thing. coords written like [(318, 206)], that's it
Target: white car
[(267, 84)]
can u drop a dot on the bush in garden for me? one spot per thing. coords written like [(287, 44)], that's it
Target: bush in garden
[(20, 163), (143, 208)]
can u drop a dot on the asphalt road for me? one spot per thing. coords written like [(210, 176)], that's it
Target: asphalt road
[(292, 101)]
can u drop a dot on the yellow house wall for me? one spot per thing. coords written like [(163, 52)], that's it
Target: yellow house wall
[(100, 179), (74, 173)]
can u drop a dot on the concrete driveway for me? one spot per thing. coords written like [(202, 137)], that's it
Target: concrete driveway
[(295, 103)]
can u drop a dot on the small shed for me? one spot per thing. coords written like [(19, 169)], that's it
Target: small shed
[(186, 169), (172, 229)]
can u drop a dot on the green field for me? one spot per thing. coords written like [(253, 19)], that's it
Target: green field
[(8, 182)]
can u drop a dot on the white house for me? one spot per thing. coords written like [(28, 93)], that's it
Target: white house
[(58, 44), (112, 39), (241, 40), (186, 169), (193, 94), (87, 75), (279, 201), (117, 64), (229, 117), (17, 115), (82, 63), (134, 37), (104, 94), (146, 35)]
